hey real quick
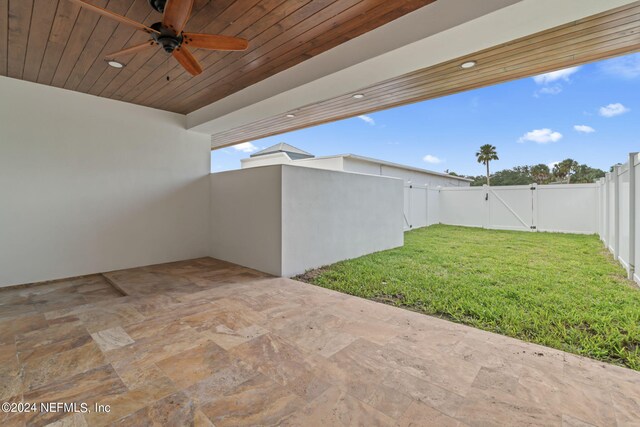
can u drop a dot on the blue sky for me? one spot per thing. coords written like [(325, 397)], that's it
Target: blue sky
[(589, 113)]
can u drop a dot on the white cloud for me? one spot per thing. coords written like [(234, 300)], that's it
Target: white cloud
[(549, 90), (553, 76), (541, 136), (367, 119), (552, 164), (245, 147), (612, 110), (432, 159), (584, 128), (627, 67)]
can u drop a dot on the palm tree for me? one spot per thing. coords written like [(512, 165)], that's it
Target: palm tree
[(540, 173), (485, 155), (565, 169)]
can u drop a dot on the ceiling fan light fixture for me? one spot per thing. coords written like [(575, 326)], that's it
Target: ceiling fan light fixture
[(468, 64), (358, 95), (115, 64)]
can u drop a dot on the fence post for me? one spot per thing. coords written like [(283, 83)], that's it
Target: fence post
[(616, 212), (607, 232), (632, 214), (534, 207), (426, 202), (487, 220)]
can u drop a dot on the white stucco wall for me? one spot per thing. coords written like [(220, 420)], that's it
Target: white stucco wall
[(90, 185), (246, 217), (329, 216), (285, 219)]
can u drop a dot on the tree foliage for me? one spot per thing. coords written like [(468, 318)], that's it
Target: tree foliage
[(566, 171), (486, 154)]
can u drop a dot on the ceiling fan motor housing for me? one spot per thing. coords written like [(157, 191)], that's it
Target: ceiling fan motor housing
[(158, 5), (167, 38)]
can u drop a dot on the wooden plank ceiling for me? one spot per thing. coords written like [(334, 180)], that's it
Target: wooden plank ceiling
[(615, 32), (57, 43)]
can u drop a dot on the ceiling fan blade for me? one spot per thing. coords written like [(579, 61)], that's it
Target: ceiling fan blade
[(109, 14), (176, 14), (132, 49), (187, 60), (214, 42)]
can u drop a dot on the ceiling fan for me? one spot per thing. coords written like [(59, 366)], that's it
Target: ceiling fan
[(168, 33)]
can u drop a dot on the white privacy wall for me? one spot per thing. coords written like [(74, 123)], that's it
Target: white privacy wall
[(330, 216), (285, 219), (618, 206), (246, 217), (89, 185)]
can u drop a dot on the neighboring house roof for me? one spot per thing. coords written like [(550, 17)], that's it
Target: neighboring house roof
[(396, 165), (283, 147)]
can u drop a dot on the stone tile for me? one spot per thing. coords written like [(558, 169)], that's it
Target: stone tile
[(316, 332), (101, 318), (220, 383), (589, 402), (626, 400), (273, 357), (9, 328), (259, 401), (113, 338), (308, 386), (55, 367), (436, 369), (174, 410), (41, 352), (10, 377), (495, 382), (189, 367), (76, 420), (154, 349), (128, 402), (201, 420), (430, 394), (419, 414), (481, 409), (337, 408), (228, 338), (135, 376), (55, 332), (390, 401), (569, 421), (92, 387)]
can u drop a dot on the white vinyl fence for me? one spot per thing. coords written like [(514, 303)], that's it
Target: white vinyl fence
[(560, 208), (421, 206), (618, 207)]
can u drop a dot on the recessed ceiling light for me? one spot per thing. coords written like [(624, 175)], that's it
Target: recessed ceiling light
[(115, 64), (468, 64), (358, 95), (291, 116)]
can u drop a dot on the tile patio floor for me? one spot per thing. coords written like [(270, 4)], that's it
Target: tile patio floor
[(205, 343)]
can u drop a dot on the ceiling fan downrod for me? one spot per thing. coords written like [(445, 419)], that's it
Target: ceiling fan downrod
[(158, 5)]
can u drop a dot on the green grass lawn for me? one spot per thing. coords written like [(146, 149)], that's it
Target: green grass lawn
[(560, 290)]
